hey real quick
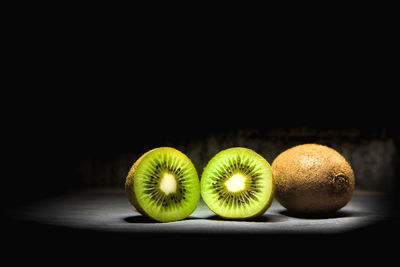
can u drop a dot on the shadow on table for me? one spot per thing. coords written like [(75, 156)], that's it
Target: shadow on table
[(144, 219), (139, 219), (263, 218), (269, 218), (334, 215)]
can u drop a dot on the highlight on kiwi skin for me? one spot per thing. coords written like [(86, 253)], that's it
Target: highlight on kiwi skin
[(237, 183), (163, 185), (312, 179)]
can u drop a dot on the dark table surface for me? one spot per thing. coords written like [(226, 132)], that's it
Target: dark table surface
[(103, 228), (111, 212)]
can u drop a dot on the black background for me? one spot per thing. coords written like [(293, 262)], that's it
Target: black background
[(84, 87), (85, 101)]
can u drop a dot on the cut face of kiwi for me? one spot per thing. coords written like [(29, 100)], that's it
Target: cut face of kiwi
[(163, 184), (237, 183)]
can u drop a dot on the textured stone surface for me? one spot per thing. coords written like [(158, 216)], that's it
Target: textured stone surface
[(111, 212), (371, 157)]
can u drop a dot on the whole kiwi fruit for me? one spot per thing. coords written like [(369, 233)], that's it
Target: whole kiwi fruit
[(312, 179)]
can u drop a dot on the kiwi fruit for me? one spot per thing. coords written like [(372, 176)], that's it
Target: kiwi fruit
[(312, 179), (237, 184), (163, 184)]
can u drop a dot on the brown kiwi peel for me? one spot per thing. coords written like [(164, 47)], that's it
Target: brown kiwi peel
[(129, 184), (312, 179)]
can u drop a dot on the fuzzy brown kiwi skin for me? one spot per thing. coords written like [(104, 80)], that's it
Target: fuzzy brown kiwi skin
[(129, 185), (312, 179)]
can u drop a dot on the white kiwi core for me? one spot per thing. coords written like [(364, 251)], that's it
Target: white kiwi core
[(168, 183), (236, 183)]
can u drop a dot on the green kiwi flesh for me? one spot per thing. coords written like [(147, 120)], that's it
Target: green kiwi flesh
[(237, 183), (312, 179), (163, 184)]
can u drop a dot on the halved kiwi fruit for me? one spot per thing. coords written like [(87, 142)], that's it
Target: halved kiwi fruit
[(163, 184), (237, 184)]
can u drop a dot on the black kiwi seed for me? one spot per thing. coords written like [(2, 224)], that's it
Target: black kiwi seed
[(156, 195), (240, 197), (256, 175)]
